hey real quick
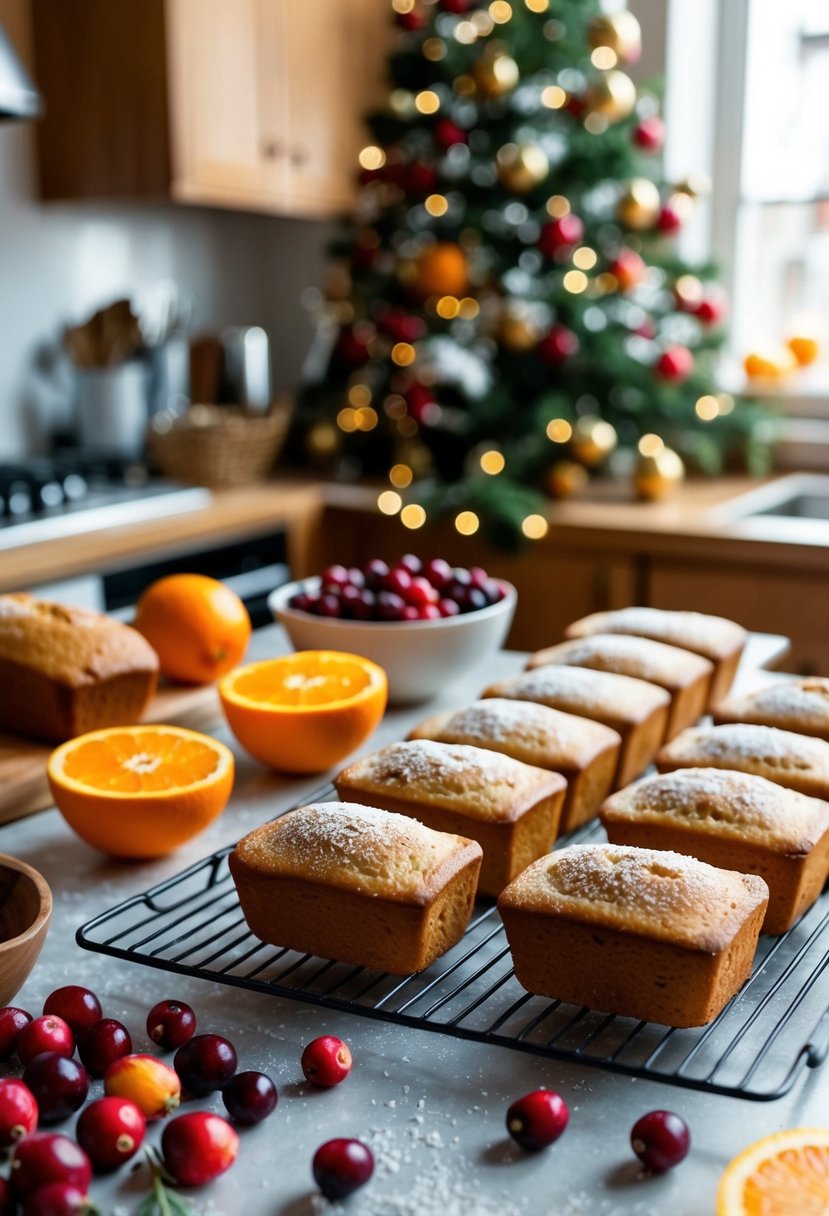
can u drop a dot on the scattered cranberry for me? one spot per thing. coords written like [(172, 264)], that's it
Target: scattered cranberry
[(18, 1111), (46, 1157), (49, 1033), (79, 1007), (660, 1140), (250, 1097), (197, 1147), (12, 1021), (538, 1119), (57, 1199), (206, 1063), (326, 1061), (341, 1166), (110, 1131), (59, 1084), (171, 1024), (102, 1044)]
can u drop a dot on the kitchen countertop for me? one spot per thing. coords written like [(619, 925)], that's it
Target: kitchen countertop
[(432, 1107)]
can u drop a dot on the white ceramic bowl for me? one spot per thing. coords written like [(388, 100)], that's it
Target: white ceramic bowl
[(420, 658)]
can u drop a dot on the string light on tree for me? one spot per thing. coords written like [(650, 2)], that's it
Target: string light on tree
[(413, 516), (467, 523), (534, 527)]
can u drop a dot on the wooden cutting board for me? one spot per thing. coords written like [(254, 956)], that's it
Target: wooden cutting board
[(23, 785)]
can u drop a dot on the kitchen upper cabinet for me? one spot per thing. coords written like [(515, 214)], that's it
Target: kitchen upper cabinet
[(247, 104)]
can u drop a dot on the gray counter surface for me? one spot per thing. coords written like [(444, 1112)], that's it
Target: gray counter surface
[(431, 1107)]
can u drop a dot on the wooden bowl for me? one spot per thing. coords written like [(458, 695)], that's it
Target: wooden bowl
[(25, 912)]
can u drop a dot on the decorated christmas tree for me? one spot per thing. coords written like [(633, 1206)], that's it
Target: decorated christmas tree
[(507, 311)]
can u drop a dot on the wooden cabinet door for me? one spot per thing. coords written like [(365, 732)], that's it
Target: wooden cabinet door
[(216, 68)]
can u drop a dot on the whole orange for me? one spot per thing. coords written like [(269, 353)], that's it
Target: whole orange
[(198, 627)]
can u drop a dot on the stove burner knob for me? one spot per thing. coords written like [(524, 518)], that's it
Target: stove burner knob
[(51, 494), (19, 498), (74, 487)]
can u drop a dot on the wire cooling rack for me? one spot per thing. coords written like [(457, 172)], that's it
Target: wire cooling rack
[(775, 1028)]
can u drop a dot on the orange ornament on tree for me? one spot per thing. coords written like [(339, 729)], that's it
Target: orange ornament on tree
[(198, 627), (442, 270), (804, 348)]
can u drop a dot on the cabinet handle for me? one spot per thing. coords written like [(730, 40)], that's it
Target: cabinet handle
[(272, 149), (299, 155)]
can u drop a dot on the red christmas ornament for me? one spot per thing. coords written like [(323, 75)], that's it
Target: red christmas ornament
[(350, 349), (455, 6), (419, 398), (628, 269), (420, 179), (559, 345), (576, 106), (561, 233), (649, 134), (401, 326), (447, 133), (675, 364), (711, 310), (669, 220), (411, 21)]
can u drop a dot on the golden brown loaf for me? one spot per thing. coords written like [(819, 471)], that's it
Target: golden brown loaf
[(511, 809), (715, 638), (67, 670), (686, 676), (647, 934), (356, 884), (736, 821), (638, 711), (585, 752), (798, 762), (798, 705)]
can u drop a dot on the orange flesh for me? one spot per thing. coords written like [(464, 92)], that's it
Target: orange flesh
[(314, 680), (134, 763), (792, 1183)]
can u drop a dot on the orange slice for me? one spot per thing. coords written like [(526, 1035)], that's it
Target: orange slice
[(140, 791), (307, 711), (782, 1175)]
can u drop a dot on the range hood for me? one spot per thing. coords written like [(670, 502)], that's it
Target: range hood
[(18, 96)]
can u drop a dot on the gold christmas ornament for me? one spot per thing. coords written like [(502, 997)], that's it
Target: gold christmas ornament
[(521, 167), (593, 440), (612, 94), (688, 292), (518, 327), (695, 185), (565, 478), (495, 73), (657, 475), (619, 31), (639, 205)]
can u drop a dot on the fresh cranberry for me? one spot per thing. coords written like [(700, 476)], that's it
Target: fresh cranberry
[(57, 1199), (102, 1044), (301, 601), (250, 1097), (364, 607), (438, 572), (342, 1166), (448, 608), (429, 612), (412, 563), (59, 1084), (356, 578), (390, 606), (349, 598), (478, 577), (410, 613), (79, 1007), (8, 1203), (422, 592), (476, 599), (375, 571), (461, 577), (495, 591), (537, 1119), (49, 1033), (197, 1147), (47, 1157), (660, 1140), (206, 1063), (399, 580), (326, 1061), (171, 1024), (12, 1021), (334, 576), (110, 1131), (329, 605), (18, 1111)]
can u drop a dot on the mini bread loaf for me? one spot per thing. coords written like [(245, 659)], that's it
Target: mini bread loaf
[(735, 821), (586, 753), (65, 671), (715, 638), (638, 711), (798, 705), (686, 676), (636, 932), (511, 809), (798, 762), (356, 884)]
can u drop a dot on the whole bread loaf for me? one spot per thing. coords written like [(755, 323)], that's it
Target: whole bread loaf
[(639, 932), (735, 821), (799, 705), (798, 762), (356, 884), (65, 671), (714, 637)]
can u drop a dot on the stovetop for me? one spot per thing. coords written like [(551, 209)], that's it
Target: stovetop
[(47, 498)]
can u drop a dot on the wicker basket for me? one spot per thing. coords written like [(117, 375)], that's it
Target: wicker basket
[(219, 445)]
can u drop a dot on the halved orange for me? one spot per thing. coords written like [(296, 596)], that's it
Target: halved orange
[(140, 791), (786, 1174), (307, 711)]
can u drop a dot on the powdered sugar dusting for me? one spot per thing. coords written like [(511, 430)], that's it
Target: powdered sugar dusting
[(630, 656), (737, 745), (581, 690), (798, 705), (526, 729), (712, 636)]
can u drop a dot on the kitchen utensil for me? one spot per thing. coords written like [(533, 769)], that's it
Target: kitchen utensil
[(247, 367), (25, 912), (111, 407)]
